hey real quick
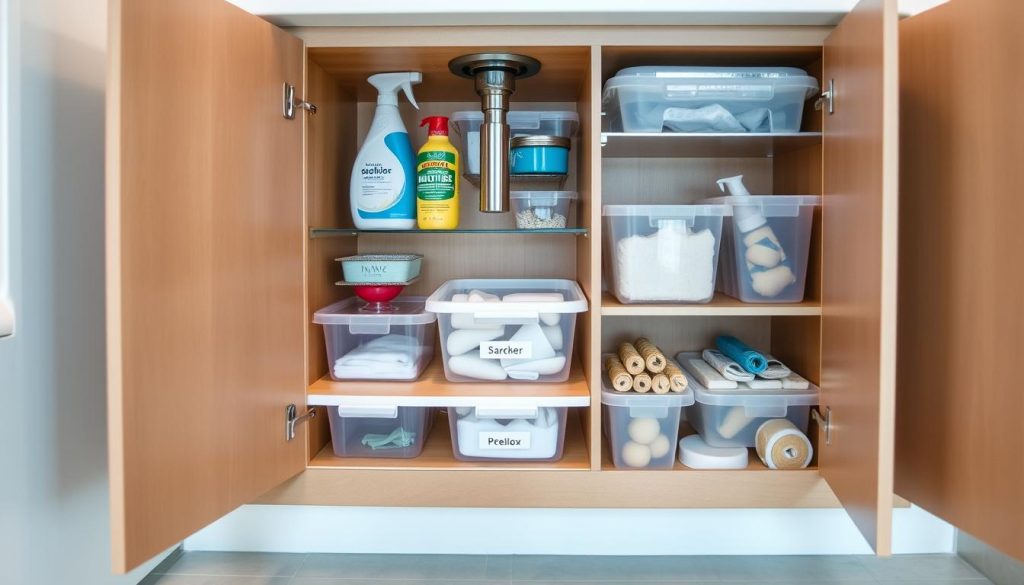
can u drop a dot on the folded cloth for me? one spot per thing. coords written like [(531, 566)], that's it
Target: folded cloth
[(390, 356), (756, 120), (751, 360), (775, 370), (713, 118), (729, 369), (398, 439)]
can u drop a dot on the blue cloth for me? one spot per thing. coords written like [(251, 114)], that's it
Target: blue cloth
[(748, 358)]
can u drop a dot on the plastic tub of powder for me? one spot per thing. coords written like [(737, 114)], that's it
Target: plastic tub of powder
[(663, 253), (543, 209)]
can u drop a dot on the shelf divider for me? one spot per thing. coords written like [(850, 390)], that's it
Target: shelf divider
[(703, 145), (720, 305)]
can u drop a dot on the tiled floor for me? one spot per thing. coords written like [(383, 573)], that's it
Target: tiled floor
[(211, 568)]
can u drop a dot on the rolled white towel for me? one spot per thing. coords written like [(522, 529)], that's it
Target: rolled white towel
[(472, 366)]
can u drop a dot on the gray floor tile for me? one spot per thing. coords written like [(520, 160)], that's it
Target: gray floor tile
[(601, 569), (370, 581), (450, 567), (213, 580), (930, 568), (791, 569), (936, 582), (236, 563)]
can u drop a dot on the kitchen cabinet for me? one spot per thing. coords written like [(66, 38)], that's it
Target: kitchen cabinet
[(224, 217)]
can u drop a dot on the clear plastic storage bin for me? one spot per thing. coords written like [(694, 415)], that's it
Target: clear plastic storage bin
[(543, 209), (765, 246), (707, 99), (503, 434), (467, 129), (520, 330), (386, 431), (377, 346), (730, 418), (642, 429), (663, 253)]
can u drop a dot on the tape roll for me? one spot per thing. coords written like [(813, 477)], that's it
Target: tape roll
[(781, 445)]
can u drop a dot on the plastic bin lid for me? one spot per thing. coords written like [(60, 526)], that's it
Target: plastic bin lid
[(411, 311), (543, 194), (770, 205), (648, 399), (519, 120), (747, 397), (698, 72), (573, 299), (667, 211)]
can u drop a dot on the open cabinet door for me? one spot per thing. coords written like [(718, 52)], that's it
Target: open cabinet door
[(859, 229), (959, 445), (204, 267)]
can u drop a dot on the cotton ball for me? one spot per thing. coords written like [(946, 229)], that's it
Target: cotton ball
[(644, 430), (635, 454), (660, 447), (761, 255)]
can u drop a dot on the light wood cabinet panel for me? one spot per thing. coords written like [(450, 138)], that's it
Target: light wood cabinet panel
[(958, 441), (859, 266), (205, 267)]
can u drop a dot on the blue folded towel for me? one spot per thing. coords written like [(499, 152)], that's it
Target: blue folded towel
[(748, 358)]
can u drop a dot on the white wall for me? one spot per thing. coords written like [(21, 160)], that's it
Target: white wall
[(53, 489)]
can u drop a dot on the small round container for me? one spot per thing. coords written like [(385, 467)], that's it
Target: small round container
[(540, 155), (542, 209)]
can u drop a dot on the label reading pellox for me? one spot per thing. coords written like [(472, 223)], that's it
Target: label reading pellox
[(514, 350), (504, 441)]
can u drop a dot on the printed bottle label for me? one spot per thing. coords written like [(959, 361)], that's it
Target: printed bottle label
[(507, 350), (435, 175), (504, 441)]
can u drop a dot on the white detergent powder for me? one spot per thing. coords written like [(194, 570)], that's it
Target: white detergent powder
[(672, 264)]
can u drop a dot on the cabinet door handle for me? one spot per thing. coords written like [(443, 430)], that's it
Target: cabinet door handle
[(291, 102)]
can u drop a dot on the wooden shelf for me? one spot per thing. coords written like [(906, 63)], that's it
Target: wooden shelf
[(433, 389), (670, 145), (720, 305), (437, 454), (326, 232)]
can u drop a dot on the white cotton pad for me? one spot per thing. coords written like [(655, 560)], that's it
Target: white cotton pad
[(696, 454), (644, 430), (461, 341), (472, 366), (735, 421), (705, 374), (554, 335), (660, 447), (534, 338), (635, 454)]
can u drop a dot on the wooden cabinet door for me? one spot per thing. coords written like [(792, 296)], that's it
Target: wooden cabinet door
[(204, 267), (959, 445), (859, 222)]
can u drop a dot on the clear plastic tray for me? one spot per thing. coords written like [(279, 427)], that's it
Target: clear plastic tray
[(642, 429), (518, 434)]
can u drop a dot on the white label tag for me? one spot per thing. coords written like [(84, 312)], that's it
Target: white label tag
[(507, 350), (504, 441)]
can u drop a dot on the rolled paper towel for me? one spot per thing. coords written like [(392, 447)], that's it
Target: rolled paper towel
[(660, 384), (534, 337), (642, 382), (533, 369), (554, 335), (734, 421), (750, 360), (631, 358), (461, 341), (472, 366), (781, 445), (617, 374), (654, 359), (771, 282), (677, 381), (726, 366)]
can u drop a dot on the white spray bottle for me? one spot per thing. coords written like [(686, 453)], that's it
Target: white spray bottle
[(383, 187)]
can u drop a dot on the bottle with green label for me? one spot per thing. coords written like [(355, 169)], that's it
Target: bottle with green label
[(437, 179)]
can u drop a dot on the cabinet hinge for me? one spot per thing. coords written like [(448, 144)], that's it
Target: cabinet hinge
[(824, 422), (292, 419), (291, 103), (827, 99)]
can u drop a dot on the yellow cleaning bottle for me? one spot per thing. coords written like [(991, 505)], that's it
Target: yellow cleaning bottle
[(437, 179)]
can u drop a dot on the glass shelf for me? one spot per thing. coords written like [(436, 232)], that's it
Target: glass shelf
[(703, 145), (320, 232)]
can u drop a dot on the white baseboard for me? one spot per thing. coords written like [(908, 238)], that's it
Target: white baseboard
[(560, 531)]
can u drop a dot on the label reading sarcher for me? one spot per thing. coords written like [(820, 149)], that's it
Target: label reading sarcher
[(506, 350)]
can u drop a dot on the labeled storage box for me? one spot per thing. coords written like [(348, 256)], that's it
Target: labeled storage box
[(467, 130), (731, 417), (663, 253), (493, 330), (380, 268), (765, 244), (383, 430), (503, 434), (377, 346), (543, 209), (642, 429), (707, 99)]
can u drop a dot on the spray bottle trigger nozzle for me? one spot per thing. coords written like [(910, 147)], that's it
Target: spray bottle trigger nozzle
[(407, 88)]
